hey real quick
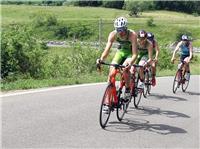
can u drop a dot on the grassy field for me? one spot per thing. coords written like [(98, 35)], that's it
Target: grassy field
[(167, 24)]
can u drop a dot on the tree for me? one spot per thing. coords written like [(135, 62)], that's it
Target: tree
[(113, 4)]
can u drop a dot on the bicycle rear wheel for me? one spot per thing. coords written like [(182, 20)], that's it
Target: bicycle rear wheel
[(147, 86), (138, 96), (106, 106), (176, 82), (185, 83), (121, 106)]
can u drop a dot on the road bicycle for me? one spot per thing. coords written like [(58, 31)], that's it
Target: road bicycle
[(136, 92), (180, 78), (113, 98)]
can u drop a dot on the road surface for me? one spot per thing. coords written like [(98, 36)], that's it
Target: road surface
[(68, 117)]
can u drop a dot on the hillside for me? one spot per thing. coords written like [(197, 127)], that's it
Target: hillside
[(166, 23)]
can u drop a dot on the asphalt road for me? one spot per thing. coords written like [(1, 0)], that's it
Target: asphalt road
[(68, 117)]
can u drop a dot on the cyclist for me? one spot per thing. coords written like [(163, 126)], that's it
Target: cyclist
[(126, 54), (150, 36), (185, 45), (144, 57)]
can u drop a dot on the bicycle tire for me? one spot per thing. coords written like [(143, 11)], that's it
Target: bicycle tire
[(138, 96), (147, 84), (185, 84), (121, 105), (176, 82), (104, 120)]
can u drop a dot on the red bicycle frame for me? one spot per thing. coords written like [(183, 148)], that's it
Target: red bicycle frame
[(113, 80)]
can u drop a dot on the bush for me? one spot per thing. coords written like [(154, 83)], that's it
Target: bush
[(70, 63), (21, 52), (150, 22), (44, 19), (164, 59)]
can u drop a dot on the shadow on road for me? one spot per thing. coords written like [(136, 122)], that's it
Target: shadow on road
[(193, 93), (145, 111), (128, 125), (163, 96)]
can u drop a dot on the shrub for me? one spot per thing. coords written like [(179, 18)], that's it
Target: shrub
[(21, 52), (44, 19), (150, 22)]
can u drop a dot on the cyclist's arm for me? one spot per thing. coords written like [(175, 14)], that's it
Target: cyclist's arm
[(133, 39), (157, 50), (176, 49), (150, 52), (191, 50), (109, 43)]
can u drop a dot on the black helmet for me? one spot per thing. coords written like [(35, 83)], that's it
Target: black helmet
[(142, 34), (150, 36)]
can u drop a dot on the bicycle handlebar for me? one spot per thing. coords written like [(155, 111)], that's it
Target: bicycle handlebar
[(114, 65), (119, 66)]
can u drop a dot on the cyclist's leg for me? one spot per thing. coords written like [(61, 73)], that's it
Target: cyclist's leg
[(183, 67), (153, 66), (142, 62), (127, 55), (186, 64), (116, 60)]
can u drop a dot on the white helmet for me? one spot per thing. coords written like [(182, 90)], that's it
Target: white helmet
[(120, 22)]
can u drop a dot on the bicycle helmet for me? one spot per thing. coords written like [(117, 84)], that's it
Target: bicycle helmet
[(150, 36), (184, 37), (120, 24), (142, 34)]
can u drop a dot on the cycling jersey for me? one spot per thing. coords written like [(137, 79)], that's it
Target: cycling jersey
[(142, 51), (125, 50), (184, 50), (125, 44)]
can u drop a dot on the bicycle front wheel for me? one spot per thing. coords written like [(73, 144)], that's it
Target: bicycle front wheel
[(176, 82), (106, 106), (185, 83)]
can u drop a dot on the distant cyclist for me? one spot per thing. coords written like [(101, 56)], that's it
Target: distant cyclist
[(145, 50), (127, 53), (150, 36), (185, 46)]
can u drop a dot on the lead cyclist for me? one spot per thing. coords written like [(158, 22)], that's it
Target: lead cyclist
[(126, 54)]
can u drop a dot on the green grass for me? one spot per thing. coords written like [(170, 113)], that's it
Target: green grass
[(32, 83), (167, 24)]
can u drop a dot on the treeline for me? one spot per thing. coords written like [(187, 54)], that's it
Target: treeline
[(192, 7)]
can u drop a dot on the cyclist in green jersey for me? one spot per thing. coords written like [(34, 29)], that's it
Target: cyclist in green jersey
[(145, 50), (127, 53)]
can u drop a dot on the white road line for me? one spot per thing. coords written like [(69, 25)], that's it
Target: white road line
[(47, 89), (57, 88)]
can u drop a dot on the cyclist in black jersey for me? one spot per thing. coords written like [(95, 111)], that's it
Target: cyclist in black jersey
[(156, 50)]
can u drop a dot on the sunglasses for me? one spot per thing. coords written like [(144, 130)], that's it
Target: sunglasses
[(119, 30)]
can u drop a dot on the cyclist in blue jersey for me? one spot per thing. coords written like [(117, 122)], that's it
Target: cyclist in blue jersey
[(185, 46)]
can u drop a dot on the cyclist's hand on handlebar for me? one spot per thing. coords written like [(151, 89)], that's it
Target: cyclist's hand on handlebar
[(98, 64), (127, 67), (155, 60)]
